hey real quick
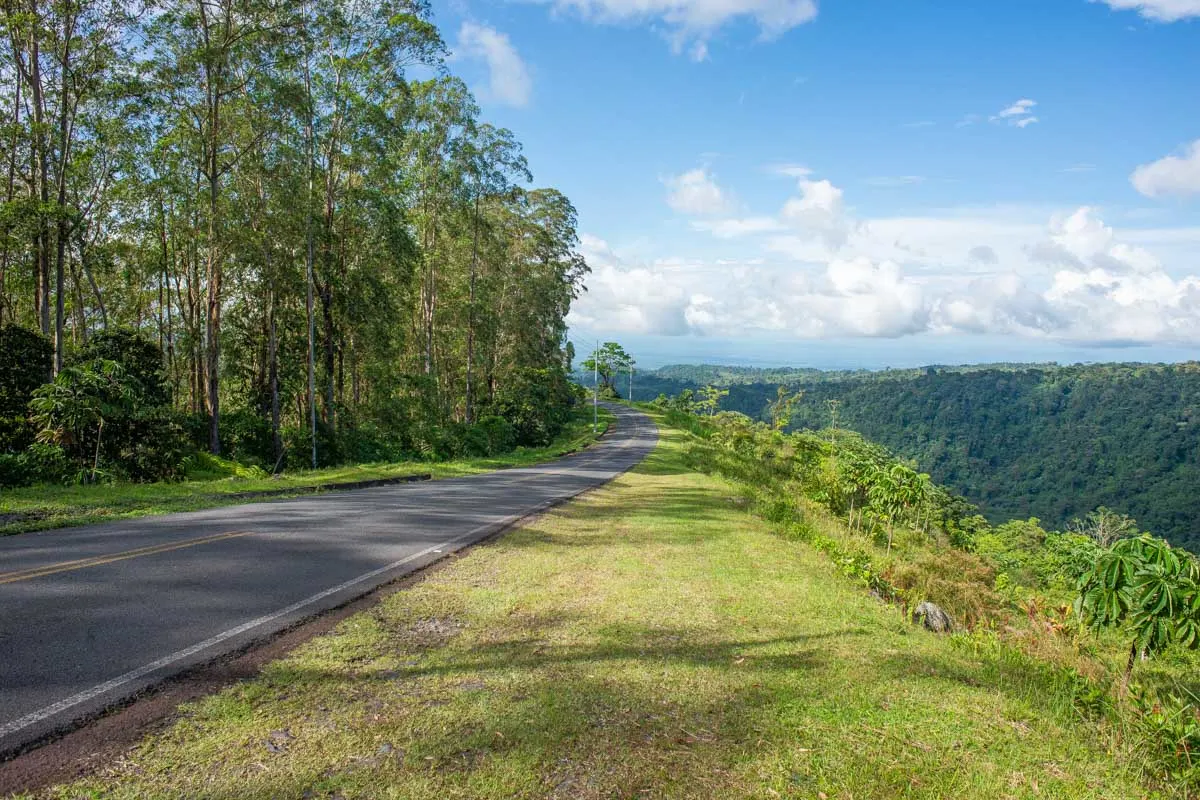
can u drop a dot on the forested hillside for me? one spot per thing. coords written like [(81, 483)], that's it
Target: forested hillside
[(1048, 442), (228, 224)]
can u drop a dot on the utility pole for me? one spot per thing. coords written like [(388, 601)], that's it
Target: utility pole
[(596, 388)]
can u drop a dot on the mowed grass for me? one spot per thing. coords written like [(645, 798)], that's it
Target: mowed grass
[(53, 506), (651, 639)]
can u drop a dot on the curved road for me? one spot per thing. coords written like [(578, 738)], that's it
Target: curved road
[(91, 615)]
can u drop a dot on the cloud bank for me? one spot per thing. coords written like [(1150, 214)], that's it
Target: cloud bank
[(812, 270)]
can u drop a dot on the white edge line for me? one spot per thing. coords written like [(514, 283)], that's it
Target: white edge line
[(136, 674), (133, 675)]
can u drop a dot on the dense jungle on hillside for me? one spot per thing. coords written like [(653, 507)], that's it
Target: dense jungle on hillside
[(246, 229), (1045, 441)]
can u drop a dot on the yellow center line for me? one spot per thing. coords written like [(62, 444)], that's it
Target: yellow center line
[(84, 563)]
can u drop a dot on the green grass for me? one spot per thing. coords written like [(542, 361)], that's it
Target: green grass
[(651, 639), (52, 506)]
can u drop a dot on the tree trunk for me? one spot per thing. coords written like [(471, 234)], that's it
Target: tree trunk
[(9, 190), (273, 380), (41, 179), (214, 79), (64, 155), (1133, 654), (470, 395), (330, 350)]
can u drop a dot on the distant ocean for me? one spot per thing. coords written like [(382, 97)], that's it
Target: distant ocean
[(652, 352)]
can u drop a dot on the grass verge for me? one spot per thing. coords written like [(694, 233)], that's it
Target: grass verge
[(49, 506), (651, 639)]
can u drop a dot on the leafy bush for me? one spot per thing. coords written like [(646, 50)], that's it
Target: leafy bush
[(98, 415), (26, 359), (38, 463), (141, 362), (1147, 588), (537, 402), (369, 442), (246, 436), (499, 434)]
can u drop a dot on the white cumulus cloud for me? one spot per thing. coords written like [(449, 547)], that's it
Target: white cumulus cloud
[(690, 23), (1158, 10), (972, 271), (509, 82), (818, 211), (696, 192), (1178, 174)]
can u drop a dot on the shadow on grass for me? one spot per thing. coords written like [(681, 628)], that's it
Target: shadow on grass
[(622, 643), (1041, 685)]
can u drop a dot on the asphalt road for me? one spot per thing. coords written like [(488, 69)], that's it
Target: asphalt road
[(89, 616)]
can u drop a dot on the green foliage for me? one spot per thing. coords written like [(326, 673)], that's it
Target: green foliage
[(536, 402), (246, 436), (1167, 738), (1017, 440), (498, 433), (140, 359), (608, 361), (710, 400), (25, 362), (100, 417), (1149, 589)]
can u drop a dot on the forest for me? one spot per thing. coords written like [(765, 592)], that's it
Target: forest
[(279, 232), (1038, 441)]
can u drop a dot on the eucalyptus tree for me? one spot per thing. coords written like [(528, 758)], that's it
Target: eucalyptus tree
[(492, 158), (357, 55), (212, 56), (444, 113), (66, 60)]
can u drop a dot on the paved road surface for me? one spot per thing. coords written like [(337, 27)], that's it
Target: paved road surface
[(91, 615)]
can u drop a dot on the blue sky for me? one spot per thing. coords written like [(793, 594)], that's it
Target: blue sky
[(844, 183)]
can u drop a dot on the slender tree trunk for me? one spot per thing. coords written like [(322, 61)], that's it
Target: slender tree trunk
[(469, 394), (309, 148), (214, 80), (329, 348), (9, 191), (273, 380), (1125, 677), (64, 156), (40, 185), (167, 263), (213, 330)]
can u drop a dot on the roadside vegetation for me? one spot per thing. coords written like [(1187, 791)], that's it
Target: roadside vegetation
[(248, 229), (655, 638), (1108, 615), (212, 481)]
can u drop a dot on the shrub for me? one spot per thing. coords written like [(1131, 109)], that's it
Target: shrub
[(140, 360), (25, 363), (498, 433), (95, 413), (246, 436), (537, 403)]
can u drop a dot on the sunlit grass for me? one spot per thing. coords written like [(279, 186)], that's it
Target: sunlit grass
[(649, 640)]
